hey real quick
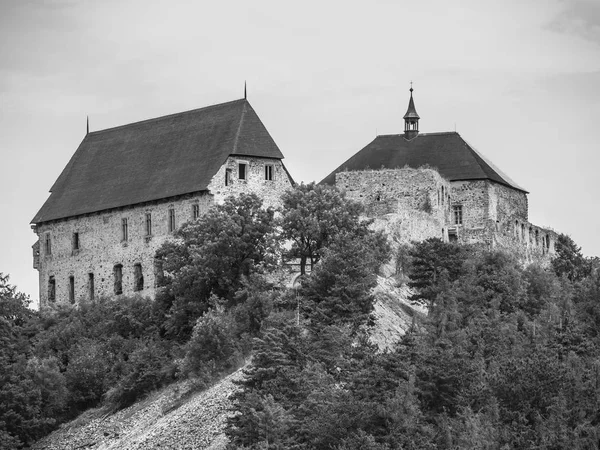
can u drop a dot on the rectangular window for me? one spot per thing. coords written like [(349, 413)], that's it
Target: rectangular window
[(171, 220), (138, 283), (91, 285), (124, 230), (269, 172), (48, 244), (72, 289), (195, 211), (228, 177), (159, 273), (51, 289), (242, 171), (457, 213), (75, 241), (148, 224), (118, 275)]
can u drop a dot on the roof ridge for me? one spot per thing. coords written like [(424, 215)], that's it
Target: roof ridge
[(435, 133), (154, 119), (237, 133)]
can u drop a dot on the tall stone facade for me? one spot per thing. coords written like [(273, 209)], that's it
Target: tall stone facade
[(437, 185), (91, 250)]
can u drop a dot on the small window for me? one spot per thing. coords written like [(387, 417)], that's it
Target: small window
[(75, 241), (171, 220), (48, 244), (72, 289), (138, 278), (228, 177), (91, 285), (124, 230), (195, 211), (118, 275), (457, 212), (148, 224), (242, 171), (51, 289), (269, 172)]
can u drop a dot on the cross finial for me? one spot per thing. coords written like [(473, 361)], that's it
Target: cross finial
[(411, 88)]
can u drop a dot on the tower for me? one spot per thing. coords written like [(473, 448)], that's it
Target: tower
[(411, 119)]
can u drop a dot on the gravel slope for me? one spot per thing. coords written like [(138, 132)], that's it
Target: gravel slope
[(149, 425)]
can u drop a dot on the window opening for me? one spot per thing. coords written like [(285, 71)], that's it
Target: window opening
[(48, 244), (124, 230), (269, 172), (195, 211), (171, 220), (72, 289), (51, 289), (228, 177), (91, 285), (118, 275), (159, 272), (138, 278), (148, 224), (75, 241), (457, 212), (242, 171)]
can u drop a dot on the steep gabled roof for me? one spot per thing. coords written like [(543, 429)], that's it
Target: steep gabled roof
[(155, 159), (448, 152)]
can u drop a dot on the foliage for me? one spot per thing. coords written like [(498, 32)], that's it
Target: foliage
[(569, 260), (211, 256), (311, 218)]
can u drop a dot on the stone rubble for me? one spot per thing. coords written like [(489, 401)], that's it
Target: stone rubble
[(198, 423)]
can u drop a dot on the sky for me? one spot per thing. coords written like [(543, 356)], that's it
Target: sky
[(518, 79)]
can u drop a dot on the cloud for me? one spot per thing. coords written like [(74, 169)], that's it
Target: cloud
[(580, 18)]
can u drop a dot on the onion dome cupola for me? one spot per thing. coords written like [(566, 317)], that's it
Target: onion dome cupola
[(411, 119)]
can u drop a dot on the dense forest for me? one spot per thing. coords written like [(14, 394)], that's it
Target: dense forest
[(508, 356)]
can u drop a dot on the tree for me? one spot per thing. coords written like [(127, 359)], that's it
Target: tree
[(430, 259), (311, 218), (210, 257), (569, 260)]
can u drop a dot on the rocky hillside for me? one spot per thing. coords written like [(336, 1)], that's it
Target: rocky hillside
[(171, 419)]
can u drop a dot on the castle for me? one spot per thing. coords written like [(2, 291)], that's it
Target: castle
[(127, 189)]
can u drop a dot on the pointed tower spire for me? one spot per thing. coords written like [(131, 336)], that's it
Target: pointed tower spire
[(245, 97), (87, 128), (411, 118)]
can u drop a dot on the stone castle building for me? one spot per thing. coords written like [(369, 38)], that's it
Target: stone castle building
[(421, 185), (127, 189)]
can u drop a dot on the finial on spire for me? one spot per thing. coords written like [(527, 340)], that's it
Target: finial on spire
[(87, 128), (245, 97), (411, 89)]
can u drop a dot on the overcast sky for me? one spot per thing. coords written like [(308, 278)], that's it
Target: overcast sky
[(518, 79)]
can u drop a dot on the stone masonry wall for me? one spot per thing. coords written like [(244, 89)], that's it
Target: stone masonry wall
[(269, 190), (389, 191), (101, 246)]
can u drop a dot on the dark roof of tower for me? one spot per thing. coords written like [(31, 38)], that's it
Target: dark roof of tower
[(448, 152), (155, 159), (411, 112)]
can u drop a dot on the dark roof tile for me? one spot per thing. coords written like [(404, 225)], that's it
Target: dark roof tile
[(155, 159), (448, 152)]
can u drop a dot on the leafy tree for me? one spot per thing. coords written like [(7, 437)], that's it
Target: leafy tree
[(569, 260), (211, 256), (429, 260), (312, 216), (339, 290)]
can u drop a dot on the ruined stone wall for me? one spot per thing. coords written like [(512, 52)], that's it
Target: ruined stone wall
[(474, 198), (101, 248), (507, 203), (255, 180), (391, 191)]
